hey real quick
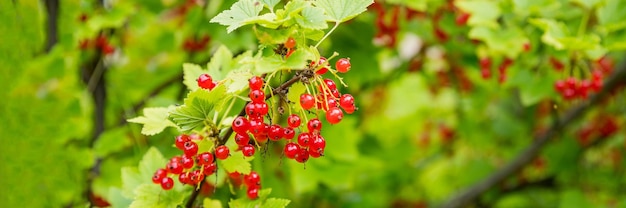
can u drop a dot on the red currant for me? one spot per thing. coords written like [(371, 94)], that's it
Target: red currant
[(175, 167), (346, 101), (262, 108), (318, 145), (180, 141), (247, 150), (205, 81), (252, 180), (291, 149), (242, 139), (158, 175), (334, 115), (222, 152), (255, 83), (167, 183), (205, 158), (241, 125), (195, 177), (559, 86), (314, 125), (290, 43), (209, 169), (307, 101), (276, 132), (302, 156), (190, 148), (187, 161), (462, 18), (304, 138), (257, 96), (253, 192), (485, 63), (556, 64), (195, 137), (293, 121), (288, 133), (343, 65), (184, 178), (257, 126), (322, 70)]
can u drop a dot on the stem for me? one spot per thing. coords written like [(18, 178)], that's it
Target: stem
[(583, 23), (327, 34)]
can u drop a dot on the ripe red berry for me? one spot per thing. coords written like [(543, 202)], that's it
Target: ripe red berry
[(195, 177), (187, 161), (190, 148), (293, 121), (461, 19), (314, 125), (343, 65), (291, 149), (222, 152), (526, 46), (334, 115), (485, 73), (276, 132), (262, 108), (307, 101), (209, 169), (242, 139), (290, 43), (184, 178), (346, 101), (247, 150), (485, 63), (289, 52), (167, 183), (174, 167), (253, 192), (205, 158), (330, 84), (158, 175), (304, 138), (257, 96), (322, 70), (288, 133), (257, 126), (318, 144), (205, 81), (302, 156), (241, 125), (180, 141), (556, 64), (255, 83), (107, 49), (252, 180)]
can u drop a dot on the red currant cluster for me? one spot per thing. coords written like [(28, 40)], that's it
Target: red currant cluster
[(601, 127), (572, 88), (387, 31), (190, 167), (205, 81), (101, 43), (196, 45), (485, 68), (290, 45), (252, 181)]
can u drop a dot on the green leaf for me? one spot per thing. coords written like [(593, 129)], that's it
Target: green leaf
[(151, 161), (221, 63), (117, 199), (270, 3), (191, 72), (612, 16), (240, 13), (553, 31), (482, 12), (294, 93), (297, 61), (237, 81), (500, 41), (154, 120), (312, 18), (210, 203), (237, 163), (245, 202), (152, 195), (343, 10), (275, 203), (131, 179), (111, 141), (198, 108)]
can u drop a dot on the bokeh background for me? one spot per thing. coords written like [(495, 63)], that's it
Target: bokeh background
[(431, 121)]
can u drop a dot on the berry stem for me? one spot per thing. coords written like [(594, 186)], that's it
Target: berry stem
[(327, 34)]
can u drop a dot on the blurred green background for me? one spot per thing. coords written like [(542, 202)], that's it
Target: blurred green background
[(428, 124)]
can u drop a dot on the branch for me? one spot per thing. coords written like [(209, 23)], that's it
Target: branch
[(525, 157)]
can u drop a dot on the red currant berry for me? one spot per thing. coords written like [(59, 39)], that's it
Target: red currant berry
[(158, 175), (187, 161), (184, 178), (559, 86), (322, 70), (290, 43), (260, 138), (462, 18), (275, 133), (222, 152), (180, 141), (209, 169), (291, 149), (205, 81), (350, 110), (175, 167), (314, 125), (307, 101), (242, 139), (257, 96), (253, 192), (190, 148), (346, 101), (247, 150), (255, 83), (526, 46), (262, 108), (195, 137), (315, 153), (195, 177), (556, 64), (302, 156), (241, 125), (343, 65), (485, 63), (252, 180), (289, 52), (288, 133), (293, 121), (108, 49), (304, 138), (334, 115), (167, 183), (318, 145), (205, 158), (257, 126), (485, 73)]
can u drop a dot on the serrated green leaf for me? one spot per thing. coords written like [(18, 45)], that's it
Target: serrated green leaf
[(553, 31), (117, 199), (221, 63), (611, 15), (482, 12), (152, 195), (131, 179), (275, 203), (237, 163), (210, 203), (294, 93), (151, 161), (270, 3), (205, 145), (312, 18), (343, 10), (237, 81), (111, 141), (154, 120), (199, 108), (191, 72), (239, 13)]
